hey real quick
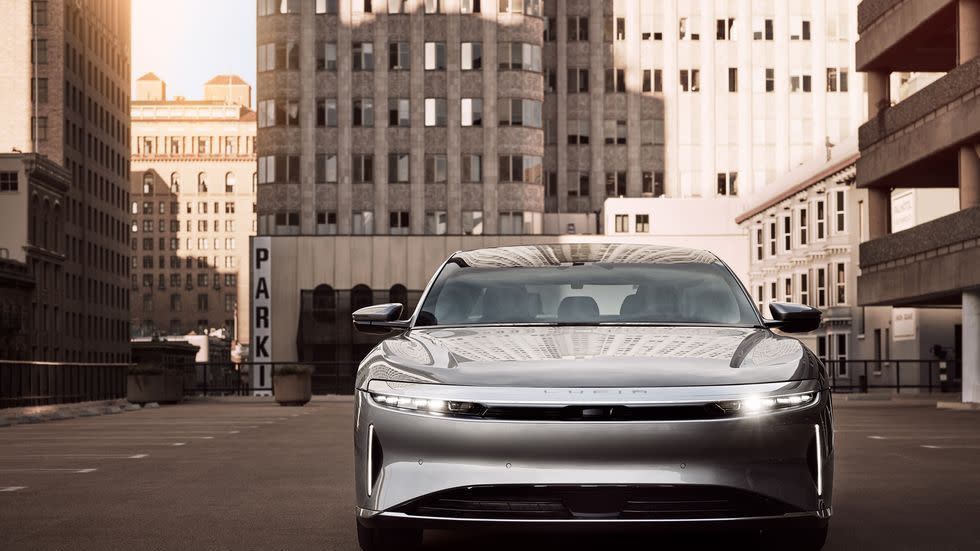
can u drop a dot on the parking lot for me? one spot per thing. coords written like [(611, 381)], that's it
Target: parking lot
[(248, 474)]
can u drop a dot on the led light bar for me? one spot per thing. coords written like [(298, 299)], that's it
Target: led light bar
[(754, 405), (435, 407)]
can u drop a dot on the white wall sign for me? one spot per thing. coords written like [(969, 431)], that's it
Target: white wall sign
[(903, 324), (903, 211), (261, 260)]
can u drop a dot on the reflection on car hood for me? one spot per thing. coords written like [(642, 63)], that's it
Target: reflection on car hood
[(604, 356)]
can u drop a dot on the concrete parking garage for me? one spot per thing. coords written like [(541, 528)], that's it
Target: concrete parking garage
[(248, 474)]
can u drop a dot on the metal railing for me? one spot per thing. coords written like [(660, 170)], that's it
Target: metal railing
[(231, 379), (25, 383), (894, 375)]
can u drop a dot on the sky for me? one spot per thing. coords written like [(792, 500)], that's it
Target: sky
[(186, 42)]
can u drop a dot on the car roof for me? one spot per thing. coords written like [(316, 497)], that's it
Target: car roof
[(567, 253)]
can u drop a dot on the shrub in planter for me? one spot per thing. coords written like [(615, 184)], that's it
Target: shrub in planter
[(292, 385), (154, 383)]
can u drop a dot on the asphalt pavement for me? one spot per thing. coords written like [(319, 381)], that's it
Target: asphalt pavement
[(248, 474)]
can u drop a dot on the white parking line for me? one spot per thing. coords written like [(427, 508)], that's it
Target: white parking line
[(85, 455), (926, 437), (177, 444), (11, 488), (934, 447), (113, 437), (39, 470)]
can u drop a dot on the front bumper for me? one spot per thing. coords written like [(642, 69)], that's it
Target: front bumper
[(405, 458)]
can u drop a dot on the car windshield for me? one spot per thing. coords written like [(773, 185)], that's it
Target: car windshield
[(587, 293)]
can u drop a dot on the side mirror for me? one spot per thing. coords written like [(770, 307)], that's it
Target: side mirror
[(794, 318), (379, 319)]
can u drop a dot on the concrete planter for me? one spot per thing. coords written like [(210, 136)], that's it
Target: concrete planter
[(166, 387), (293, 389)]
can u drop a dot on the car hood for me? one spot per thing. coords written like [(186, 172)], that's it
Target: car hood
[(603, 356)]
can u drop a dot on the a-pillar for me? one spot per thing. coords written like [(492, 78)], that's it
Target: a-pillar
[(971, 346)]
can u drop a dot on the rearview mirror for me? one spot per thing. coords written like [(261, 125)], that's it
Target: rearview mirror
[(380, 318), (794, 318)]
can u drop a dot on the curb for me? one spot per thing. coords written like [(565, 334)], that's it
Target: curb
[(57, 412), (959, 406)]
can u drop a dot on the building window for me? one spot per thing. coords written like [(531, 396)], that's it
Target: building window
[(761, 28), (399, 56), (472, 168), (519, 56), (325, 6), (651, 131), (578, 183), (821, 288), (202, 301), (469, 6), (326, 168), (39, 52), (804, 289), (578, 29), (616, 184), (435, 111), (472, 222), (799, 28), (471, 56), (471, 111), (642, 223), (398, 167), (362, 56), (39, 90), (39, 128), (821, 221), (520, 168), (770, 79), (550, 29), (727, 183), (230, 182), (399, 113), (615, 80), (841, 284), (759, 246), (787, 234), (202, 183), (836, 79), (519, 112), (839, 206), (397, 6), (688, 28), (526, 7), (653, 184), (362, 169), (840, 354), (363, 112), (326, 223), (435, 222), (803, 227), (622, 223), (398, 223), (725, 29), (800, 82), (578, 131), (733, 79), (362, 222), (772, 238), (435, 169), (615, 132), (690, 80), (326, 56), (578, 81), (8, 182), (435, 56), (511, 223), (326, 112)]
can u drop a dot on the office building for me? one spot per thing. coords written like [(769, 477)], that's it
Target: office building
[(442, 120), (192, 208), (927, 140), (64, 71)]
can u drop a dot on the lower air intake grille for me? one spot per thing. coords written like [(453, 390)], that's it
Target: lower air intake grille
[(660, 502)]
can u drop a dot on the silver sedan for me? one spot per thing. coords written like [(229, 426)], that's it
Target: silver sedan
[(590, 386)]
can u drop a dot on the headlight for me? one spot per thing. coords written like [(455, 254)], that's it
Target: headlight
[(754, 405), (434, 407)]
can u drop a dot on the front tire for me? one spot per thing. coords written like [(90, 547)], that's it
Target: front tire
[(388, 539)]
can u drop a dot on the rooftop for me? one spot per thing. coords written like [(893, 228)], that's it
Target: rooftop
[(226, 79)]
